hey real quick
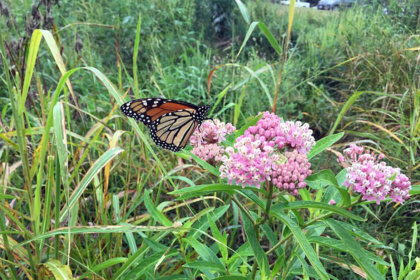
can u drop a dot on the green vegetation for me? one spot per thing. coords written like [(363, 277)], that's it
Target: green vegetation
[(86, 194)]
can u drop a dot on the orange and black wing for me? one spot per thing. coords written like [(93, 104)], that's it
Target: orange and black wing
[(171, 122), (148, 110)]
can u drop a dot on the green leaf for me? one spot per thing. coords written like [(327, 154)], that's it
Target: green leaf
[(345, 108), (97, 229), (248, 193), (148, 263), (317, 205), (203, 251), (338, 245), (136, 257), (259, 253), (61, 140), (303, 242), (271, 236), (244, 11), (203, 224), (326, 178), (324, 143), (219, 98), (360, 234), (328, 242), (267, 33), (231, 277), (103, 265), (131, 242), (413, 275), (415, 190), (205, 266), (30, 65), (135, 55), (154, 212), (84, 183), (355, 250), (59, 270), (155, 246), (203, 189), (173, 277), (271, 39), (221, 240), (241, 254), (210, 168)]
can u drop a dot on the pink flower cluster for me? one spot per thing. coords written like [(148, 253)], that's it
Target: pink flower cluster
[(372, 178), (271, 150), (249, 163), (284, 134), (205, 139)]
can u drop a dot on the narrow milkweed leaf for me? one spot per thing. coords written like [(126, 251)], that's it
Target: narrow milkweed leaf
[(260, 256), (148, 264), (204, 252), (316, 205), (354, 248), (205, 266), (303, 242), (324, 143), (210, 188), (231, 277), (102, 266)]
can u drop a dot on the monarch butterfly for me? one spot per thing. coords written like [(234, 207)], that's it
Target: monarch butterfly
[(170, 122)]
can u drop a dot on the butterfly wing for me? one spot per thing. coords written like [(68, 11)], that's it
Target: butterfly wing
[(171, 122), (172, 131), (148, 110)]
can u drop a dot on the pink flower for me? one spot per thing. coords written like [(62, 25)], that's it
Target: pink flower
[(209, 152), (288, 135), (249, 164), (332, 202), (372, 178), (290, 176), (272, 150), (205, 139)]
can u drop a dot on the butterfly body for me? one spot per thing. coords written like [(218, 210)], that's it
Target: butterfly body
[(170, 122)]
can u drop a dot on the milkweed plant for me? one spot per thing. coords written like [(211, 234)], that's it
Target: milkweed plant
[(285, 207)]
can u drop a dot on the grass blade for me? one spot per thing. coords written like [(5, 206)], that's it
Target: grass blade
[(244, 11), (94, 169), (59, 270), (135, 55)]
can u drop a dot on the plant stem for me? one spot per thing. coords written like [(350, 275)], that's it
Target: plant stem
[(268, 205), (243, 209)]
